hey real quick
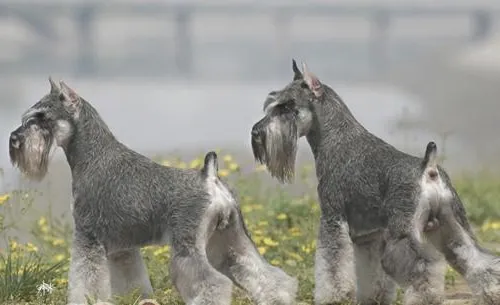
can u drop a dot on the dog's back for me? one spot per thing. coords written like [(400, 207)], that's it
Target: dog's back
[(143, 192), (368, 171)]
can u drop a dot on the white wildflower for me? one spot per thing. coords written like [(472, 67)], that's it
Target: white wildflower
[(44, 288)]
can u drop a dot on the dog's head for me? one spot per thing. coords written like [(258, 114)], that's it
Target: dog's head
[(47, 124), (288, 116)]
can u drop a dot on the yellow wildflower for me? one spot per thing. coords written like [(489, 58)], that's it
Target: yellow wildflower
[(13, 245), (260, 168), (263, 223), (495, 225), (281, 216), (31, 248), (291, 262), (295, 256), (61, 282), (257, 239), (227, 158), (4, 198), (59, 257), (306, 249), (262, 250), (181, 165), (295, 231), (223, 173), (196, 163), (269, 242), (233, 167), (42, 221), (57, 242), (166, 163), (258, 232), (275, 262), (246, 208)]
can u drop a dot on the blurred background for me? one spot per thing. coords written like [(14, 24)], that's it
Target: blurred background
[(184, 77)]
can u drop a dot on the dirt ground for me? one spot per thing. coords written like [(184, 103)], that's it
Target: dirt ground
[(458, 294)]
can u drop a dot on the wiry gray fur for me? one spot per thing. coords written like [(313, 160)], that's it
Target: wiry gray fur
[(123, 201), (387, 217)]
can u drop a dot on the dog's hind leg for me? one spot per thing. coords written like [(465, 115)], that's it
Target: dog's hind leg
[(374, 286), (88, 271), (128, 272), (479, 267), (454, 237), (415, 265), (233, 253), (197, 281)]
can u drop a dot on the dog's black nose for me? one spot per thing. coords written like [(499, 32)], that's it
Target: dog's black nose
[(255, 132), (15, 138)]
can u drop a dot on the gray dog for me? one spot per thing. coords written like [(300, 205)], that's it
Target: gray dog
[(123, 201), (387, 217)]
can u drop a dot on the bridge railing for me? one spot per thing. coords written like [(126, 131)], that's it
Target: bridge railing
[(39, 17)]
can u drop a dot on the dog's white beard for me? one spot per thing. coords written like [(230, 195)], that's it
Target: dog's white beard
[(281, 150), (36, 151)]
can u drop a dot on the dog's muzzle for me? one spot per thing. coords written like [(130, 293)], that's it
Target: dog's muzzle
[(256, 133), (16, 138), (258, 142)]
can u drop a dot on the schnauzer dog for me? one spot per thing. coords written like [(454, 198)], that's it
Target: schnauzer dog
[(123, 201), (387, 217)]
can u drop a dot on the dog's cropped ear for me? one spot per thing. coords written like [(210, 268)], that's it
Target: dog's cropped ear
[(69, 97), (54, 89), (296, 72), (312, 81)]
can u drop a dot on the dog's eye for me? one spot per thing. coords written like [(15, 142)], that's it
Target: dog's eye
[(304, 85), (40, 115)]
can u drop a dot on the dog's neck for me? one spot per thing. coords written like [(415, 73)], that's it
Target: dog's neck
[(90, 138), (333, 125)]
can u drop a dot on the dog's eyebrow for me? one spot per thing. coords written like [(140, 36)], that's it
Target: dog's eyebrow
[(270, 102), (30, 113)]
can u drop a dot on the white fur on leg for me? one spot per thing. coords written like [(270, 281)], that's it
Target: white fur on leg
[(88, 275), (334, 273), (232, 253), (374, 286), (198, 282), (482, 270), (428, 290), (128, 272)]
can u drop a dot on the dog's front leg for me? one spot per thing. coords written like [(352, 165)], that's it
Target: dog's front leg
[(334, 266), (88, 271)]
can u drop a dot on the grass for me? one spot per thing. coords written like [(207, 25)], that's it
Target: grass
[(282, 225)]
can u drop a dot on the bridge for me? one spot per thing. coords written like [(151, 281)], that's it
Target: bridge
[(66, 36)]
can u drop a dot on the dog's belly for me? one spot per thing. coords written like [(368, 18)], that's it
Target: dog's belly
[(365, 219), (135, 237)]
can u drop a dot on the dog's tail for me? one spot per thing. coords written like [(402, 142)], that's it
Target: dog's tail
[(222, 202), (430, 162), (211, 167), (435, 192)]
